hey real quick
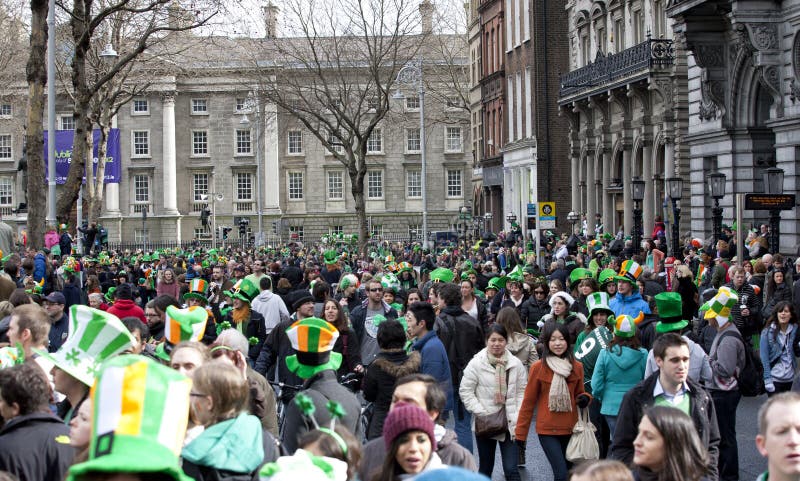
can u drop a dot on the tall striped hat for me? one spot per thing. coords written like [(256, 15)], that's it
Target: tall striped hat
[(630, 271), (139, 407), (94, 336), (720, 305), (312, 339), (187, 324), (197, 289)]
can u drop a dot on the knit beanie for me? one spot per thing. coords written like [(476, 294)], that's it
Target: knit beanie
[(407, 417)]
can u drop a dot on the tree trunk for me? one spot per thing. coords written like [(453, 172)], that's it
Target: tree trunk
[(34, 134), (96, 201), (357, 171)]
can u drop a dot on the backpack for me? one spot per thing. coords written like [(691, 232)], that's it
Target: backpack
[(751, 377)]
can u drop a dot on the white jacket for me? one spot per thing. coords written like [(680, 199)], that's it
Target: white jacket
[(478, 386), (273, 309)]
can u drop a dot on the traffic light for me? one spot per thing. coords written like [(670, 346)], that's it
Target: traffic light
[(225, 230), (243, 223), (204, 215)]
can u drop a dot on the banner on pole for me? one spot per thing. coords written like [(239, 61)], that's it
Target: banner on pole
[(64, 139)]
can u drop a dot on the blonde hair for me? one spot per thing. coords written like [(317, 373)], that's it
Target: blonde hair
[(603, 470)]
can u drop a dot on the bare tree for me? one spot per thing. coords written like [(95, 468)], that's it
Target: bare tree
[(34, 135), (336, 68)]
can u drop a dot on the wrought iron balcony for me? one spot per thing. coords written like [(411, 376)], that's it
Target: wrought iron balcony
[(609, 70)]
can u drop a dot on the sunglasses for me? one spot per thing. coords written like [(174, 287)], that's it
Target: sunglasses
[(375, 290)]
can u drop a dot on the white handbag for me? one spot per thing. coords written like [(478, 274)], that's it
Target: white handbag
[(583, 445)]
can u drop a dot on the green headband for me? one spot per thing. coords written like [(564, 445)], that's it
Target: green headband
[(339, 440)]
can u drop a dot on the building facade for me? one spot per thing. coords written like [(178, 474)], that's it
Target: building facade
[(624, 99), (743, 62)]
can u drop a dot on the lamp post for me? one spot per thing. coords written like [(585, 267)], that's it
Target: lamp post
[(411, 75), (716, 184), (675, 188), (214, 197), (572, 217), (144, 228), (511, 218), (773, 184), (637, 194), (245, 122), (487, 224), (464, 216)]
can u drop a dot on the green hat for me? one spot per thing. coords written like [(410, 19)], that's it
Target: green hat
[(578, 274), (720, 305), (598, 301), (497, 282), (330, 257), (94, 336), (140, 408), (625, 325), (390, 282), (348, 280), (442, 274), (516, 274), (606, 276), (629, 272), (197, 290), (182, 325), (670, 309), (245, 290), (312, 338)]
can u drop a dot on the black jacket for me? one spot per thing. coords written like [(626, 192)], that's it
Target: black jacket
[(36, 447), (347, 345), (640, 397), (379, 382), (532, 310), (462, 337), (321, 388), (274, 350)]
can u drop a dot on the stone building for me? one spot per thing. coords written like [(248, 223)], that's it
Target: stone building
[(743, 91), (198, 139), (624, 99)]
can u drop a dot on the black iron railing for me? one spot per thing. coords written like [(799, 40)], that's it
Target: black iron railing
[(650, 54)]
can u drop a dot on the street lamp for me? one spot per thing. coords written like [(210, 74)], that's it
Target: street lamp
[(773, 184), (214, 197), (572, 217), (487, 224), (675, 188), (637, 194), (411, 75), (716, 184), (464, 217), (511, 218), (245, 122)]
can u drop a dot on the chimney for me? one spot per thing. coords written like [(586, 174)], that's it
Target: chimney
[(426, 16), (270, 12)]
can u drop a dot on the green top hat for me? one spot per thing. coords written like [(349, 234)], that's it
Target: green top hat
[(670, 310), (245, 290), (140, 408), (442, 274), (598, 301), (312, 338), (94, 336), (330, 257), (578, 274), (497, 282)]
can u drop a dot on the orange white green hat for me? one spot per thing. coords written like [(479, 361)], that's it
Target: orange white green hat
[(197, 290), (187, 324), (140, 408), (312, 339), (625, 325), (629, 272)]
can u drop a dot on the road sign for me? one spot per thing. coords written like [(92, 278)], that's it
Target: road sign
[(531, 210), (769, 201), (547, 215)]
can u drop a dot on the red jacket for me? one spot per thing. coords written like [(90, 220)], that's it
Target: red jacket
[(127, 308), (537, 394)]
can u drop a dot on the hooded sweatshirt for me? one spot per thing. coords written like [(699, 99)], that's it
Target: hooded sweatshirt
[(629, 305), (523, 348), (272, 307), (220, 446), (617, 370)]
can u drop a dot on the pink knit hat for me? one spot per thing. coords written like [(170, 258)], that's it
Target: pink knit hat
[(407, 417)]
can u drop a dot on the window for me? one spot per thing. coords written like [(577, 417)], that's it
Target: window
[(414, 184), (414, 231), (296, 232), (412, 103), (335, 185), (295, 186), (454, 183), (241, 104), (337, 229), (244, 192), (141, 193), (295, 142), (66, 122), (376, 230), (243, 144), (413, 141), (200, 187), (140, 144), (5, 146), (6, 194), (5, 110), (199, 106), (452, 139), (336, 143), (200, 232), (199, 142), (140, 236), (375, 142), (140, 107), (375, 184)]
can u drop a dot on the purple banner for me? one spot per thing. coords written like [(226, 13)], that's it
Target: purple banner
[(64, 140)]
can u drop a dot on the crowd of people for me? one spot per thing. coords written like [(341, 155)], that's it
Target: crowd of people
[(312, 360)]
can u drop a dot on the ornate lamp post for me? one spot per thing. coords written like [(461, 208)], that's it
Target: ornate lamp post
[(463, 216), (773, 184), (675, 188), (572, 217), (716, 184), (487, 224), (637, 194)]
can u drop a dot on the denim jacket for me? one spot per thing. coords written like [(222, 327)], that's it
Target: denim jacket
[(771, 348)]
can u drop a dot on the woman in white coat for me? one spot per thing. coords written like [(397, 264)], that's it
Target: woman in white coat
[(494, 379)]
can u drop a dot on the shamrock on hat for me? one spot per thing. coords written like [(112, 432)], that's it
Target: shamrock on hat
[(312, 338), (244, 290), (140, 407), (720, 305), (390, 282), (625, 325), (182, 325), (670, 312), (304, 465), (197, 290), (94, 336), (442, 274), (606, 276)]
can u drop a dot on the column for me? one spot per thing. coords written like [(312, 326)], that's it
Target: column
[(271, 175), (648, 207), (112, 189), (608, 213), (169, 161), (575, 187), (626, 189), (591, 205)]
